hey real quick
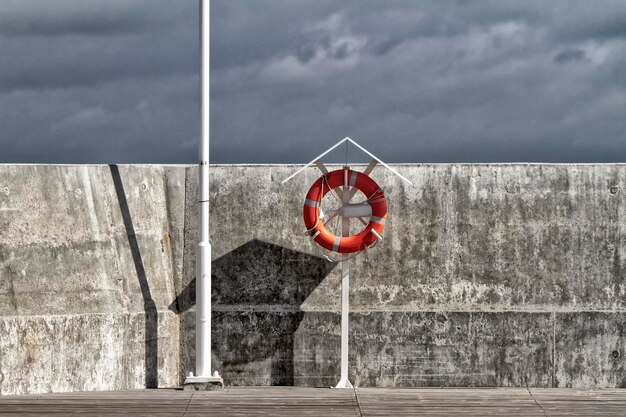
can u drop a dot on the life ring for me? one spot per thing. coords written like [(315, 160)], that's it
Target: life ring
[(346, 244)]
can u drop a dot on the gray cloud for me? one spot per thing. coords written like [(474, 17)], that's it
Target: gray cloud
[(569, 55), (70, 17), (438, 81)]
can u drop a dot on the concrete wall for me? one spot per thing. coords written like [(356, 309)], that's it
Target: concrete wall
[(489, 275), (88, 263)]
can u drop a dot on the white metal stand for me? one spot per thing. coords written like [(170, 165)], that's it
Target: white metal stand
[(346, 212), (203, 379), (344, 381)]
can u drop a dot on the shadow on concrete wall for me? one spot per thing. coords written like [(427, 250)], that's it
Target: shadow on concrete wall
[(151, 318), (257, 292)]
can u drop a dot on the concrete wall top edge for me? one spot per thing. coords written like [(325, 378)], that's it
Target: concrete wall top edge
[(334, 164), (7, 164), (433, 164)]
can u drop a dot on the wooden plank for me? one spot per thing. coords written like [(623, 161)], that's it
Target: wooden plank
[(578, 402), (324, 402), (284, 401), (440, 402)]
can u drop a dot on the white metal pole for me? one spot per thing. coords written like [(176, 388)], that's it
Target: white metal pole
[(344, 382), (203, 256)]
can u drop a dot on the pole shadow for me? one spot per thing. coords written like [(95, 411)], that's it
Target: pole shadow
[(257, 291), (151, 316)]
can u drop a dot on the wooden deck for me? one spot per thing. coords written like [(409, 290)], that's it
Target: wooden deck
[(302, 402)]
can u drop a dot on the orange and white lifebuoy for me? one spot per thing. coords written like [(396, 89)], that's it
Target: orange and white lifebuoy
[(345, 244)]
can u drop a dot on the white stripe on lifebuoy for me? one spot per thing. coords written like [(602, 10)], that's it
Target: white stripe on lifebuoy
[(312, 203)]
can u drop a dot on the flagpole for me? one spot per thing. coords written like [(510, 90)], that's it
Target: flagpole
[(203, 379)]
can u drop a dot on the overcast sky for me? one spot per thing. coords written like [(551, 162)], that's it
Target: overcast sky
[(115, 81)]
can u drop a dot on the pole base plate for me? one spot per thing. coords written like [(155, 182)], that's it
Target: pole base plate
[(203, 383), (344, 383)]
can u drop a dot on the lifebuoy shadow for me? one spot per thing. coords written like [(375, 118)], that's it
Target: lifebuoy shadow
[(257, 291)]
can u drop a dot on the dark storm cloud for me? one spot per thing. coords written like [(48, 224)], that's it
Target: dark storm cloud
[(98, 81), (59, 17), (441, 81), (569, 55), (437, 81)]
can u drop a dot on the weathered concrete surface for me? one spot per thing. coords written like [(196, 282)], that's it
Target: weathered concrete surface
[(489, 275), (84, 287)]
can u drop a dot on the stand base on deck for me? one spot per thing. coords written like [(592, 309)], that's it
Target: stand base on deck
[(204, 383), (344, 383)]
